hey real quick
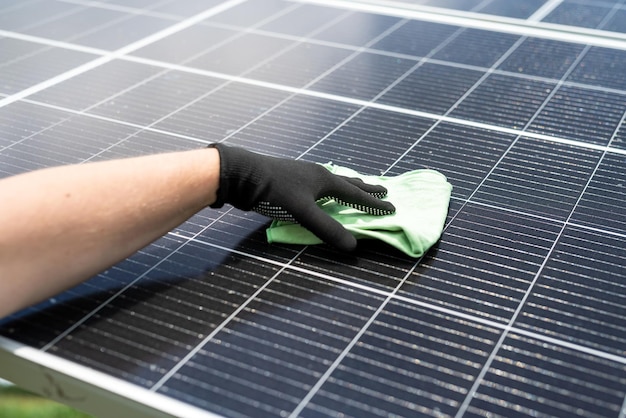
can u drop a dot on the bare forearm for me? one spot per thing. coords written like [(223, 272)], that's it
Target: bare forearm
[(63, 225)]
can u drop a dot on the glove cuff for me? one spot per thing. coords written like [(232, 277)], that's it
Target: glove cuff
[(222, 188), (238, 177)]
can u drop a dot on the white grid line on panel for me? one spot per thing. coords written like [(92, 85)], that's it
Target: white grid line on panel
[(63, 334), (426, 305), (452, 120), (226, 83), (207, 339), (547, 8), (91, 30), (51, 42), (228, 80), (320, 382), (333, 97), (53, 17), (509, 328), (433, 116), (428, 59), (315, 80), (127, 9), (400, 55), (304, 91), (85, 111), (477, 383), (253, 30), (513, 26), (540, 217), (363, 103), (120, 52), (622, 413), (102, 381), (221, 326), (288, 265), (391, 295), (465, 95)]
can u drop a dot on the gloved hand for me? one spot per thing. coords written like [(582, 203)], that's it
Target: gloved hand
[(287, 189)]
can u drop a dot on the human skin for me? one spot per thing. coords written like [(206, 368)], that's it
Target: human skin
[(60, 226)]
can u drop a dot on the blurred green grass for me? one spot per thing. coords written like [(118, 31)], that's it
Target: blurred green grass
[(18, 403)]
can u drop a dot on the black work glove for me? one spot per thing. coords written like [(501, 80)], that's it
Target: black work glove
[(287, 189)]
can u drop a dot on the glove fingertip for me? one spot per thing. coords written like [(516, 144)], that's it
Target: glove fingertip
[(387, 207), (346, 243), (376, 190), (327, 229)]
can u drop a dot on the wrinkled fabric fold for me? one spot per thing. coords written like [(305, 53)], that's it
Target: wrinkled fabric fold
[(421, 198)]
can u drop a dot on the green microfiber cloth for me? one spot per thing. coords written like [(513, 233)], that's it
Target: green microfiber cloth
[(421, 198)]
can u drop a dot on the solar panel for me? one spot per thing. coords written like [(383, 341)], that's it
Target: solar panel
[(517, 311)]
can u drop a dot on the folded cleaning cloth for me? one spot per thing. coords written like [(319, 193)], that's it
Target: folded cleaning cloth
[(421, 198)]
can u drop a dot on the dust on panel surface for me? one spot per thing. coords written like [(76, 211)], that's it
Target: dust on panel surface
[(517, 311)]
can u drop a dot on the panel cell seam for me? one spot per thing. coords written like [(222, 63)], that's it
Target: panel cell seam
[(501, 24), (119, 52)]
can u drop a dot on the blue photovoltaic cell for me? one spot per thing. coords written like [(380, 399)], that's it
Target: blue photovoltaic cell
[(135, 105), (542, 58), (293, 126), (99, 28), (419, 91), (544, 376), (504, 101), (221, 112), (488, 257), (539, 178), (29, 14), (580, 277), (462, 49), (368, 28), (238, 55), (16, 122), (516, 311), (582, 114), (396, 382), (35, 64), (300, 21), (351, 145), (63, 143), (617, 23), (519, 9), (188, 44), (364, 76), (314, 61), (96, 86), (415, 38), (289, 327), (465, 155), (601, 204), (578, 14), (601, 67)]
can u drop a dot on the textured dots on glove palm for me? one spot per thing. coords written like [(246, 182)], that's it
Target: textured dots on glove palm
[(274, 212), (364, 208), (280, 214)]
